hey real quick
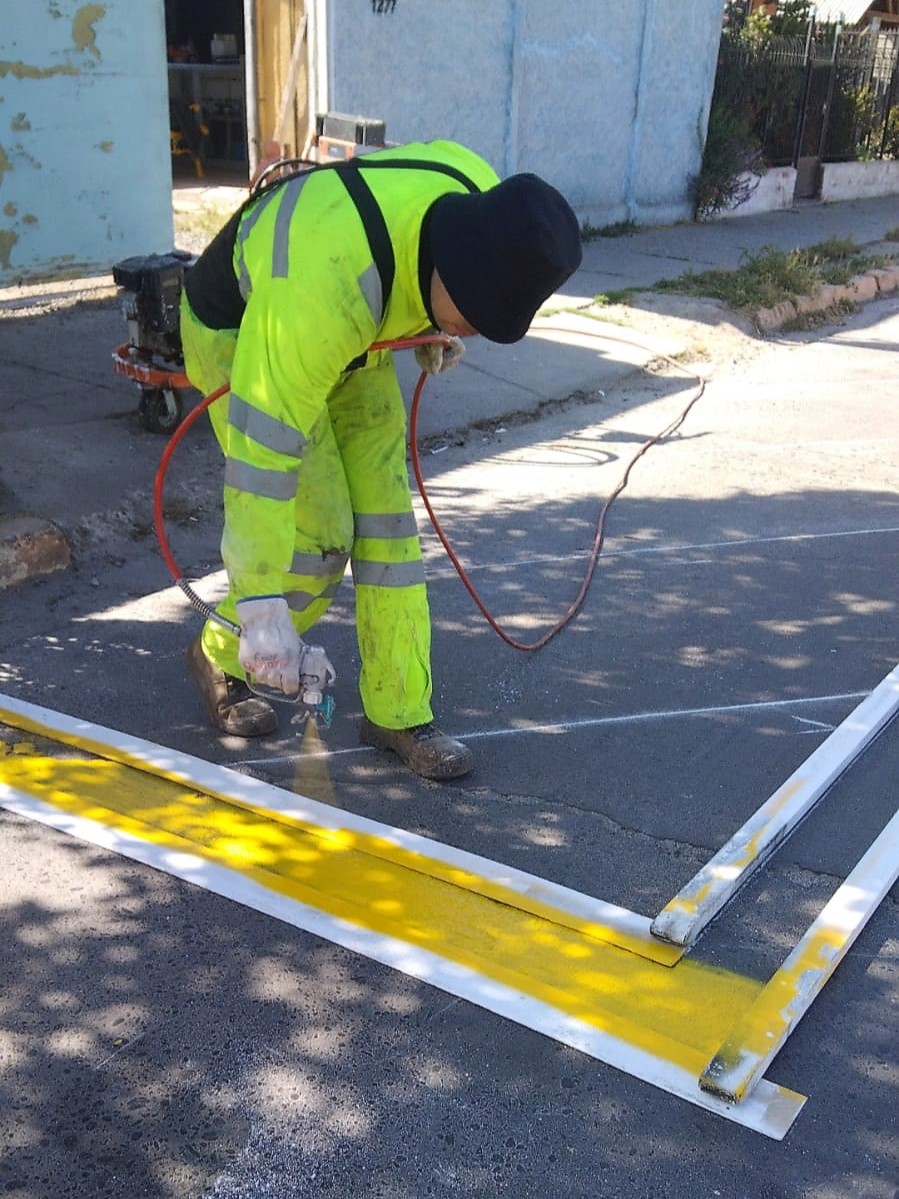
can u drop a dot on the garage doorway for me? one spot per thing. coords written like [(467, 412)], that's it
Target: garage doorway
[(246, 71), (206, 53)]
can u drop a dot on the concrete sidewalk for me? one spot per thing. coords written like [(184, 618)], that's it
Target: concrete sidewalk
[(72, 442)]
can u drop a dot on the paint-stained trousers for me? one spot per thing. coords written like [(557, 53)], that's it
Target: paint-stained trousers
[(352, 503)]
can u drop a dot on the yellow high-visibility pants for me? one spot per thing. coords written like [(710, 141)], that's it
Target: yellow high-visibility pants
[(352, 502)]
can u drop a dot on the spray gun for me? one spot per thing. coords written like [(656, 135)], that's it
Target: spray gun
[(316, 676)]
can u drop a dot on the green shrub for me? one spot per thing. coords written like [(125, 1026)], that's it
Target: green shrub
[(731, 164)]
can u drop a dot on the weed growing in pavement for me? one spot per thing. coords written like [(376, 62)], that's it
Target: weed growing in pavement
[(811, 320), (616, 296), (774, 275), (619, 229)]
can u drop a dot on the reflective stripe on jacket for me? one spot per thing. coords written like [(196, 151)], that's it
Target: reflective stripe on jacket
[(313, 305)]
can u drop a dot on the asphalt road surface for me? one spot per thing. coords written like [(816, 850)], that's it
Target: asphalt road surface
[(158, 1041)]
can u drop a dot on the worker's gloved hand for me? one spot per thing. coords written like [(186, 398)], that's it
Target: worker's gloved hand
[(435, 357), (270, 647)]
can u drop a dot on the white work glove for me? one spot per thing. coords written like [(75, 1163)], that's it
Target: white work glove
[(435, 357), (270, 646)]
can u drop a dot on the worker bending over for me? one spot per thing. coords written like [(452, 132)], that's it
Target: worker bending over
[(283, 306)]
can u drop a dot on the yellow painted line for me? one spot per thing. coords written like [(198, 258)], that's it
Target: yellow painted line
[(680, 1014), (760, 1032), (654, 1022), (685, 916), (592, 918)]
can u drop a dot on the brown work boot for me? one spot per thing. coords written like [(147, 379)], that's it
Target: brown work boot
[(229, 702), (423, 748)]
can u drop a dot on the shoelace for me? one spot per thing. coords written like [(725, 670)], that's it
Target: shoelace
[(424, 732)]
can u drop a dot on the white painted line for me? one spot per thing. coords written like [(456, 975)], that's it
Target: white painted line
[(682, 920), (762, 1030), (216, 581), (770, 1109), (816, 724), (587, 723), (631, 928), (213, 585), (662, 714), (438, 572)]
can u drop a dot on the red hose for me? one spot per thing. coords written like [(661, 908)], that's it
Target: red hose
[(599, 535), (409, 343), (159, 482)]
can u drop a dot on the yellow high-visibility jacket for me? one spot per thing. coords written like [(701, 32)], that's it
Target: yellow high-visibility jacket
[(312, 303)]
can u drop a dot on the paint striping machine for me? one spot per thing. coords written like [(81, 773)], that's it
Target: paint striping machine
[(152, 357)]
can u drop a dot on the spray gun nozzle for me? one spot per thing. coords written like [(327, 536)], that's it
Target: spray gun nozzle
[(311, 696), (323, 711)]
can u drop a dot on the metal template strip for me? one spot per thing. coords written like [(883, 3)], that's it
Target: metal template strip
[(770, 1109), (761, 1031), (685, 916), (550, 901)]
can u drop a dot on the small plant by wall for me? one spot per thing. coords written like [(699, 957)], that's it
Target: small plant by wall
[(732, 164)]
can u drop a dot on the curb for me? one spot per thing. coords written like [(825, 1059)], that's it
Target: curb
[(30, 547), (859, 290), (38, 298)]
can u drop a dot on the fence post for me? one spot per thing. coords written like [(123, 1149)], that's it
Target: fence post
[(828, 103), (799, 131)]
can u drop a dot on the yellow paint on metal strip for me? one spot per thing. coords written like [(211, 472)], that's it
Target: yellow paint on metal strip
[(772, 809), (680, 1015), (689, 904), (380, 847), (768, 1021), (723, 873), (761, 1030)]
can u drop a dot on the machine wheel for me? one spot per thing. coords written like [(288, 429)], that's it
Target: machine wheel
[(160, 409)]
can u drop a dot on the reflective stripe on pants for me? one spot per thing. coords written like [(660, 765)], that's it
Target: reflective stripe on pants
[(352, 499)]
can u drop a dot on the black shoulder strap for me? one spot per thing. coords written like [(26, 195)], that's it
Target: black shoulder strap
[(416, 164), (374, 224), (213, 291), (370, 213)]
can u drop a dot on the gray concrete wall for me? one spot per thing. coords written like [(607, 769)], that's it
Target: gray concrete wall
[(609, 101), (85, 170)]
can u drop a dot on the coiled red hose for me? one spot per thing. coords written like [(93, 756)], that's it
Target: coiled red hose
[(408, 343)]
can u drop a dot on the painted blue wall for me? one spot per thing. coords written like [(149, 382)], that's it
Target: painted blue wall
[(85, 169), (608, 99)]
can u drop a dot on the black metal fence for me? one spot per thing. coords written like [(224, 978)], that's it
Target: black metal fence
[(831, 95), (863, 121)]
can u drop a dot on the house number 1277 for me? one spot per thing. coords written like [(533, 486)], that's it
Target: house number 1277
[(383, 5)]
